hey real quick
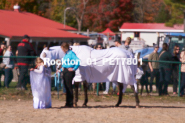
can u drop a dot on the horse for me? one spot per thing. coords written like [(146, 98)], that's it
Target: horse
[(94, 67)]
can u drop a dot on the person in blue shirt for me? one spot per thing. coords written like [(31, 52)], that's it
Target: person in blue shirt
[(70, 64)]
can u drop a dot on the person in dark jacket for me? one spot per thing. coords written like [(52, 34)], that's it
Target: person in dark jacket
[(165, 70), (175, 68), (24, 48), (144, 80)]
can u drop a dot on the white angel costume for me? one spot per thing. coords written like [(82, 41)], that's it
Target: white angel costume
[(41, 87)]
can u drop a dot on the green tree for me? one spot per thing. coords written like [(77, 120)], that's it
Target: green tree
[(163, 15), (74, 16), (2, 4), (176, 9)]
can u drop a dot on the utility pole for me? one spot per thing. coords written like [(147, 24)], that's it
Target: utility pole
[(65, 15)]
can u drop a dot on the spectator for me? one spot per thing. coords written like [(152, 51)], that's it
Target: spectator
[(45, 51), (144, 80), (125, 46), (164, 69), (4, 50), (2, 65), (97, 47), (139, 74), (182, 59), (76, 44), (9, 62), (154, 67), (175, 68), (24, 49), (108, 85), (117, 43)]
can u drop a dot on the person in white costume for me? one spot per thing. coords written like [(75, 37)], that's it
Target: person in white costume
[(41, 85)]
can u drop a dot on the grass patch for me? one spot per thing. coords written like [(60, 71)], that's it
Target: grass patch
[(12, 94)]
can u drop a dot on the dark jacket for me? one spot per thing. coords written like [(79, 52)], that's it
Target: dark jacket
[(166, 56), (25, 49), (176, 59), (144, 78)]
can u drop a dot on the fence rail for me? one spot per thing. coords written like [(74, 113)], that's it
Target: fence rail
[(168, 62)]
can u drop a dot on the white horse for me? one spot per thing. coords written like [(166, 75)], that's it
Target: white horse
[(113, 65)]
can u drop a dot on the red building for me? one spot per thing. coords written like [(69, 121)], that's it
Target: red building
[(148, 31), (15, 24)]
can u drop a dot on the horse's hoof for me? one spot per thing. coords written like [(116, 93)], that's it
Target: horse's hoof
[(84, 105), (137, 106), (117, 105), (75, 105)]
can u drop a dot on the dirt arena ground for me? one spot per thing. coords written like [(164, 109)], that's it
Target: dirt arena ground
[(100, 110)]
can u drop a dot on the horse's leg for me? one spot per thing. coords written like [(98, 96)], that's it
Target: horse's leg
[(76, 93), (85, 84), (120, 86), (136, 96)]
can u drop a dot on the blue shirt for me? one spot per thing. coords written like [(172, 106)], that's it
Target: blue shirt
[(70, 60)]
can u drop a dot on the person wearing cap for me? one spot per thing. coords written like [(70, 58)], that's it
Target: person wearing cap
[(24, 48), (154, 67), (1, 54)]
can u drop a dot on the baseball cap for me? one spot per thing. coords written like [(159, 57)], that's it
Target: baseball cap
[(156, 46)]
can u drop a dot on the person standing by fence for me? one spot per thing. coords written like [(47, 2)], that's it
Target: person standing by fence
[(24, 49), (182, 59), (9, 62), (175, 68), (164, 69), (154, 67)]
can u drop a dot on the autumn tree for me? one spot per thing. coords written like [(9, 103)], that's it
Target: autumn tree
[(108, 13), (34, 6)]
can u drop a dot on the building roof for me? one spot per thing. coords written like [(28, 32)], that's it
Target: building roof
[(150, 27), (16, 24), (111, 33)]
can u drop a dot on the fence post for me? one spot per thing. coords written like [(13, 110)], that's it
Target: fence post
[(179, 83), (97, 92)]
